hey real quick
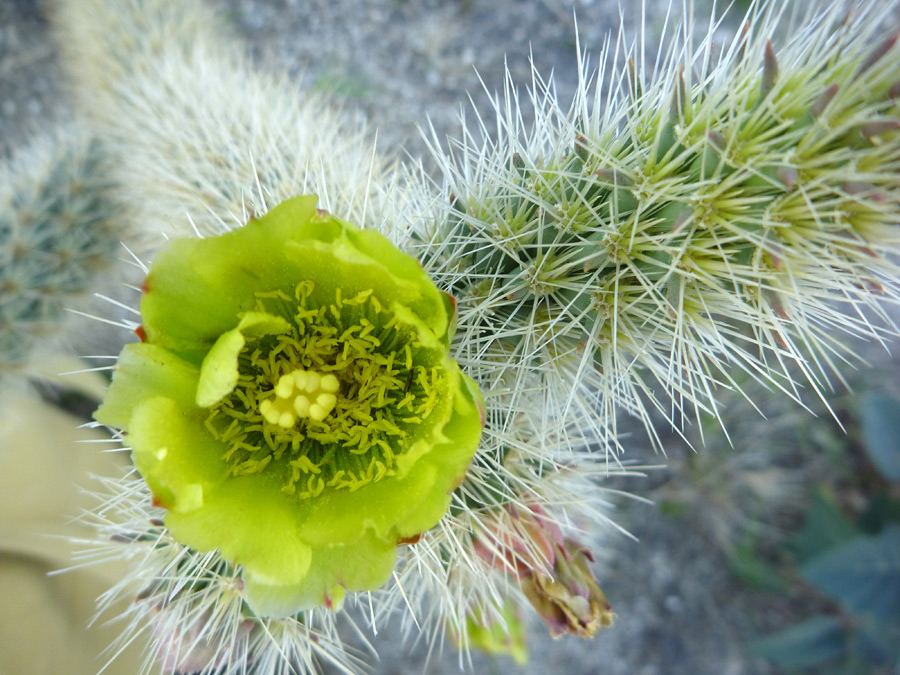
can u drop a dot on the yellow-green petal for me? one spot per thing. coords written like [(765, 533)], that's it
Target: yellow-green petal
[(144, 371), (363, 565), (175, 454), (219, 370), (196, 288), (249, 523)]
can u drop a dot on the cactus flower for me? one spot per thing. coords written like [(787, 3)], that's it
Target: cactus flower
[(292, 403)]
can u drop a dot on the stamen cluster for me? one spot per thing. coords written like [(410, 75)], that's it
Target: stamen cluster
[(338, 393)]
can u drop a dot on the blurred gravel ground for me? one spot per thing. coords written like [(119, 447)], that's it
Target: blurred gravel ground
[(399, 63)]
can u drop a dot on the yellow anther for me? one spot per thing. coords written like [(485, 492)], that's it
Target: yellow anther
[(301, 394), (268, 410), (317, 412), (285, 386), (329, 384), (326, 401), (312, 381)]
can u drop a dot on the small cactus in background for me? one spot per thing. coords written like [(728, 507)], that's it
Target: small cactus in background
[(199, 139), (626, 252), (59, 229)]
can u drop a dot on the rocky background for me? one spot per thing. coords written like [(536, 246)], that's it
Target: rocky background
[(685, 602)]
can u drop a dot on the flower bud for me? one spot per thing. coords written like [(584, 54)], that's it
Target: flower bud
[(552, 570)]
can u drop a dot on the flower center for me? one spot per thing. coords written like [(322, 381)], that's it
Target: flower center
[(335, 401), (301, 393)]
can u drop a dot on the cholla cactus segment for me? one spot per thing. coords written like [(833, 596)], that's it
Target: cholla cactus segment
[(737, 210), (293, 404), (127, 39), (199, 138), (59, 228)]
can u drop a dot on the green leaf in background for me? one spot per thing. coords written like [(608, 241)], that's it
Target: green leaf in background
[(806, 644), (876, 643), (880, 416), (863, 575), (748, 566), (823, 528), (881, 510)]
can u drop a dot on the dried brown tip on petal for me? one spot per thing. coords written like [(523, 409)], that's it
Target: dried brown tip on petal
[(819, 105)]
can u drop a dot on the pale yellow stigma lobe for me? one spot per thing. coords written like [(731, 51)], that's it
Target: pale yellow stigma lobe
[(301, 394)]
